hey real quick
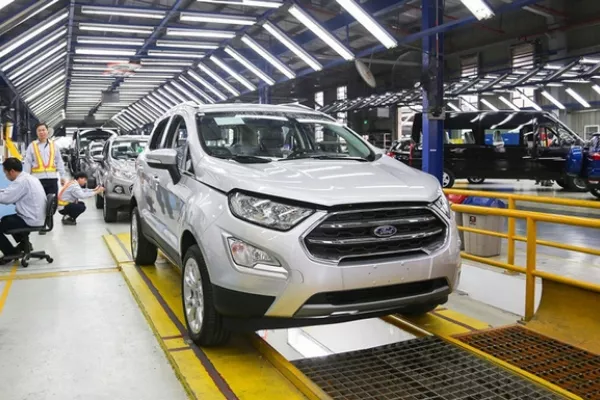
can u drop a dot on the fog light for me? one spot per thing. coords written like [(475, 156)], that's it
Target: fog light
[(249, 256), (118, 189)]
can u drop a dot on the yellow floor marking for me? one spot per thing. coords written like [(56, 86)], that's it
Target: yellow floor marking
[(7, 286), (175, 343), (188, 368), (461, 319), (58, 274), (116, 250)]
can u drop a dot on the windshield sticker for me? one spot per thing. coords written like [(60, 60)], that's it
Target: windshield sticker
[(224, 121)]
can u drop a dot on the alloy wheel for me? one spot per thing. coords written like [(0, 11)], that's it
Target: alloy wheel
[(134, 235), (193, 296)]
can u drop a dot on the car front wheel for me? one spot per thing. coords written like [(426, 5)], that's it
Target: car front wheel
[(109, 214), (99, 202), (204, 323), (143, 251), (447, 179)]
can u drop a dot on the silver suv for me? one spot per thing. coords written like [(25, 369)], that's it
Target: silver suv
[(279, 216), (116, 172)]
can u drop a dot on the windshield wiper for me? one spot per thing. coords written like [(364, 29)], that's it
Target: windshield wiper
[(325, 157), (243, 159)]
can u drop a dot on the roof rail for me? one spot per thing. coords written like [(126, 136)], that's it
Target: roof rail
[(297, 105)]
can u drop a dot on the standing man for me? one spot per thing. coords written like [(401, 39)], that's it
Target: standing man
[(44, 161)]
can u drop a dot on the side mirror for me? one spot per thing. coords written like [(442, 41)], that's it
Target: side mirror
[(98, 158), (164, 159)]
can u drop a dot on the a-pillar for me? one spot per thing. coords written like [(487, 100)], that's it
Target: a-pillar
[(433, 68)]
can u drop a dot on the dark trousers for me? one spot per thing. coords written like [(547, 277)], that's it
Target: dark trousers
[(7, 223), (73, 210), (50, 186)]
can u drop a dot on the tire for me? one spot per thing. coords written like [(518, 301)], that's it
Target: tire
[(576, 185), (91, 183), (476, 181), (99, 202), (143, 251), (419, 309), (203, 321), (562, 182), (595, 192), (109, 214), (448, 179)]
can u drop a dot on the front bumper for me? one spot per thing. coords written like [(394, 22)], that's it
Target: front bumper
[(118, 192), (315, 290)]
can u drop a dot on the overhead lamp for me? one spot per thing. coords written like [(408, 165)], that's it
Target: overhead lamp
[(187, 92), (217, 18), (150, 70), (178, 63), (51, 82), (553, 100), (596, 88), (143, 112), (162, 100), (123, 12), (92, 51), (179, 54), (203, 33), (156, 110), (175, 94), (143, 30), (251, 67), (28, 35), (470, 106), (489, 105), (509, 103), (197, 90), (162, 106), (207, 85), (34, 50), (323, 34), (555, 84), (184, 44), (110, 40), (292, 46), (166, 95), (234, 74), (576, 81), (247, 3), (588, 60), (100, 60), (268, 56), (530, 102), (36, 72), (369, 23), (478, 8), (38, 60), (577, 97), (218, 79), (454, 107)]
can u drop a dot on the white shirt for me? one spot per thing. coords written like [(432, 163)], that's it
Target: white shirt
[(29, 160), (27, 194), (75, 192)]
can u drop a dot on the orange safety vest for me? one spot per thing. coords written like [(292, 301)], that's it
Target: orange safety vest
[(41, 166), (61, 202)]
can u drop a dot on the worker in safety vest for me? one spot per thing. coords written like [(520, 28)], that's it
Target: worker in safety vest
[(44, 161), (70, 196)]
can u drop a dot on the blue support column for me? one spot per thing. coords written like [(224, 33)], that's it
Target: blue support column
[(433, 67)]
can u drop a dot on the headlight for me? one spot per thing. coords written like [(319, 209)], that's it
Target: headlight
[(267, 213), (124, 174), (442, 204), (249, 256)]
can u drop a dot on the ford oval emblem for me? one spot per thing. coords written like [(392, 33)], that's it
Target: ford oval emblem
[(385, 231)]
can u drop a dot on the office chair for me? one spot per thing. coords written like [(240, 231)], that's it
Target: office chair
[(27, 252)]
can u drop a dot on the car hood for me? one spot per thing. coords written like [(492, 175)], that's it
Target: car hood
[(125, 165), (324, 182)]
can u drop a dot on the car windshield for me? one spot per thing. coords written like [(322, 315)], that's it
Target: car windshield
[(271, 136), (128, 149)]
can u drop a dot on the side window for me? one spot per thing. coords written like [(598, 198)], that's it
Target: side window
[(186, 164), (105, 149), (158, 134), (177, 137)]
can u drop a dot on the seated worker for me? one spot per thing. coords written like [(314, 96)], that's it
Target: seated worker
[(27, 194), (70, 197)]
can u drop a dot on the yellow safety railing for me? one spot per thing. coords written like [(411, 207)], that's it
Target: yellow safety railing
[(531, 239)]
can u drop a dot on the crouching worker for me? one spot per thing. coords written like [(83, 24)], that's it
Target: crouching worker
[(71, 196), (29, 198)]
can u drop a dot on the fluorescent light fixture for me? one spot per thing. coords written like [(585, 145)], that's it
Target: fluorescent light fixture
[(150, 70), (30, 34), (38, 60), (234, 74), (553, 100), (175, 94), (217, 18), (554, 67), (197, 90), (123, 12), (478, 8), (218, 79), (144, 30), (36, 12), (51, 82), (203, 33), (323, 34), (100, 60), (510, 104), (161, 106), (166, 95), (489, 105), (292, 46), (184, 44), (268, 56), (177, 63), (109, 40), (596, 88), (37, 72), (162, 100), (34, 50), (470, 106), (207, 85), (253, 68), (179, 54), (555, 84), (143, 112), (247, 3), (587, 60), (104, 52), (187, 92), (577, 97), (530, 102), (369, 23), (454, 107), (147, 104)]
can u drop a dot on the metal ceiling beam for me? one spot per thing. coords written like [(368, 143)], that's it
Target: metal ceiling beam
[(69, 47)]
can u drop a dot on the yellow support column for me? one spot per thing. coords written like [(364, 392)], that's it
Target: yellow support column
[(512, 205), (529, 276)]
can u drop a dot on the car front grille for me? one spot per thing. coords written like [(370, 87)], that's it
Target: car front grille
[(353, 235)]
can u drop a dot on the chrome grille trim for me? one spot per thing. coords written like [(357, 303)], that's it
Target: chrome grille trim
[(367, 240), (397, 221)]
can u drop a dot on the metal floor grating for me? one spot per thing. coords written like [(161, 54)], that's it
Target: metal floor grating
[(419, 369), (568, 367)]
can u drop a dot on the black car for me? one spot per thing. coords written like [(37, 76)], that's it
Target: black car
[(498, 144), (81, 140)]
